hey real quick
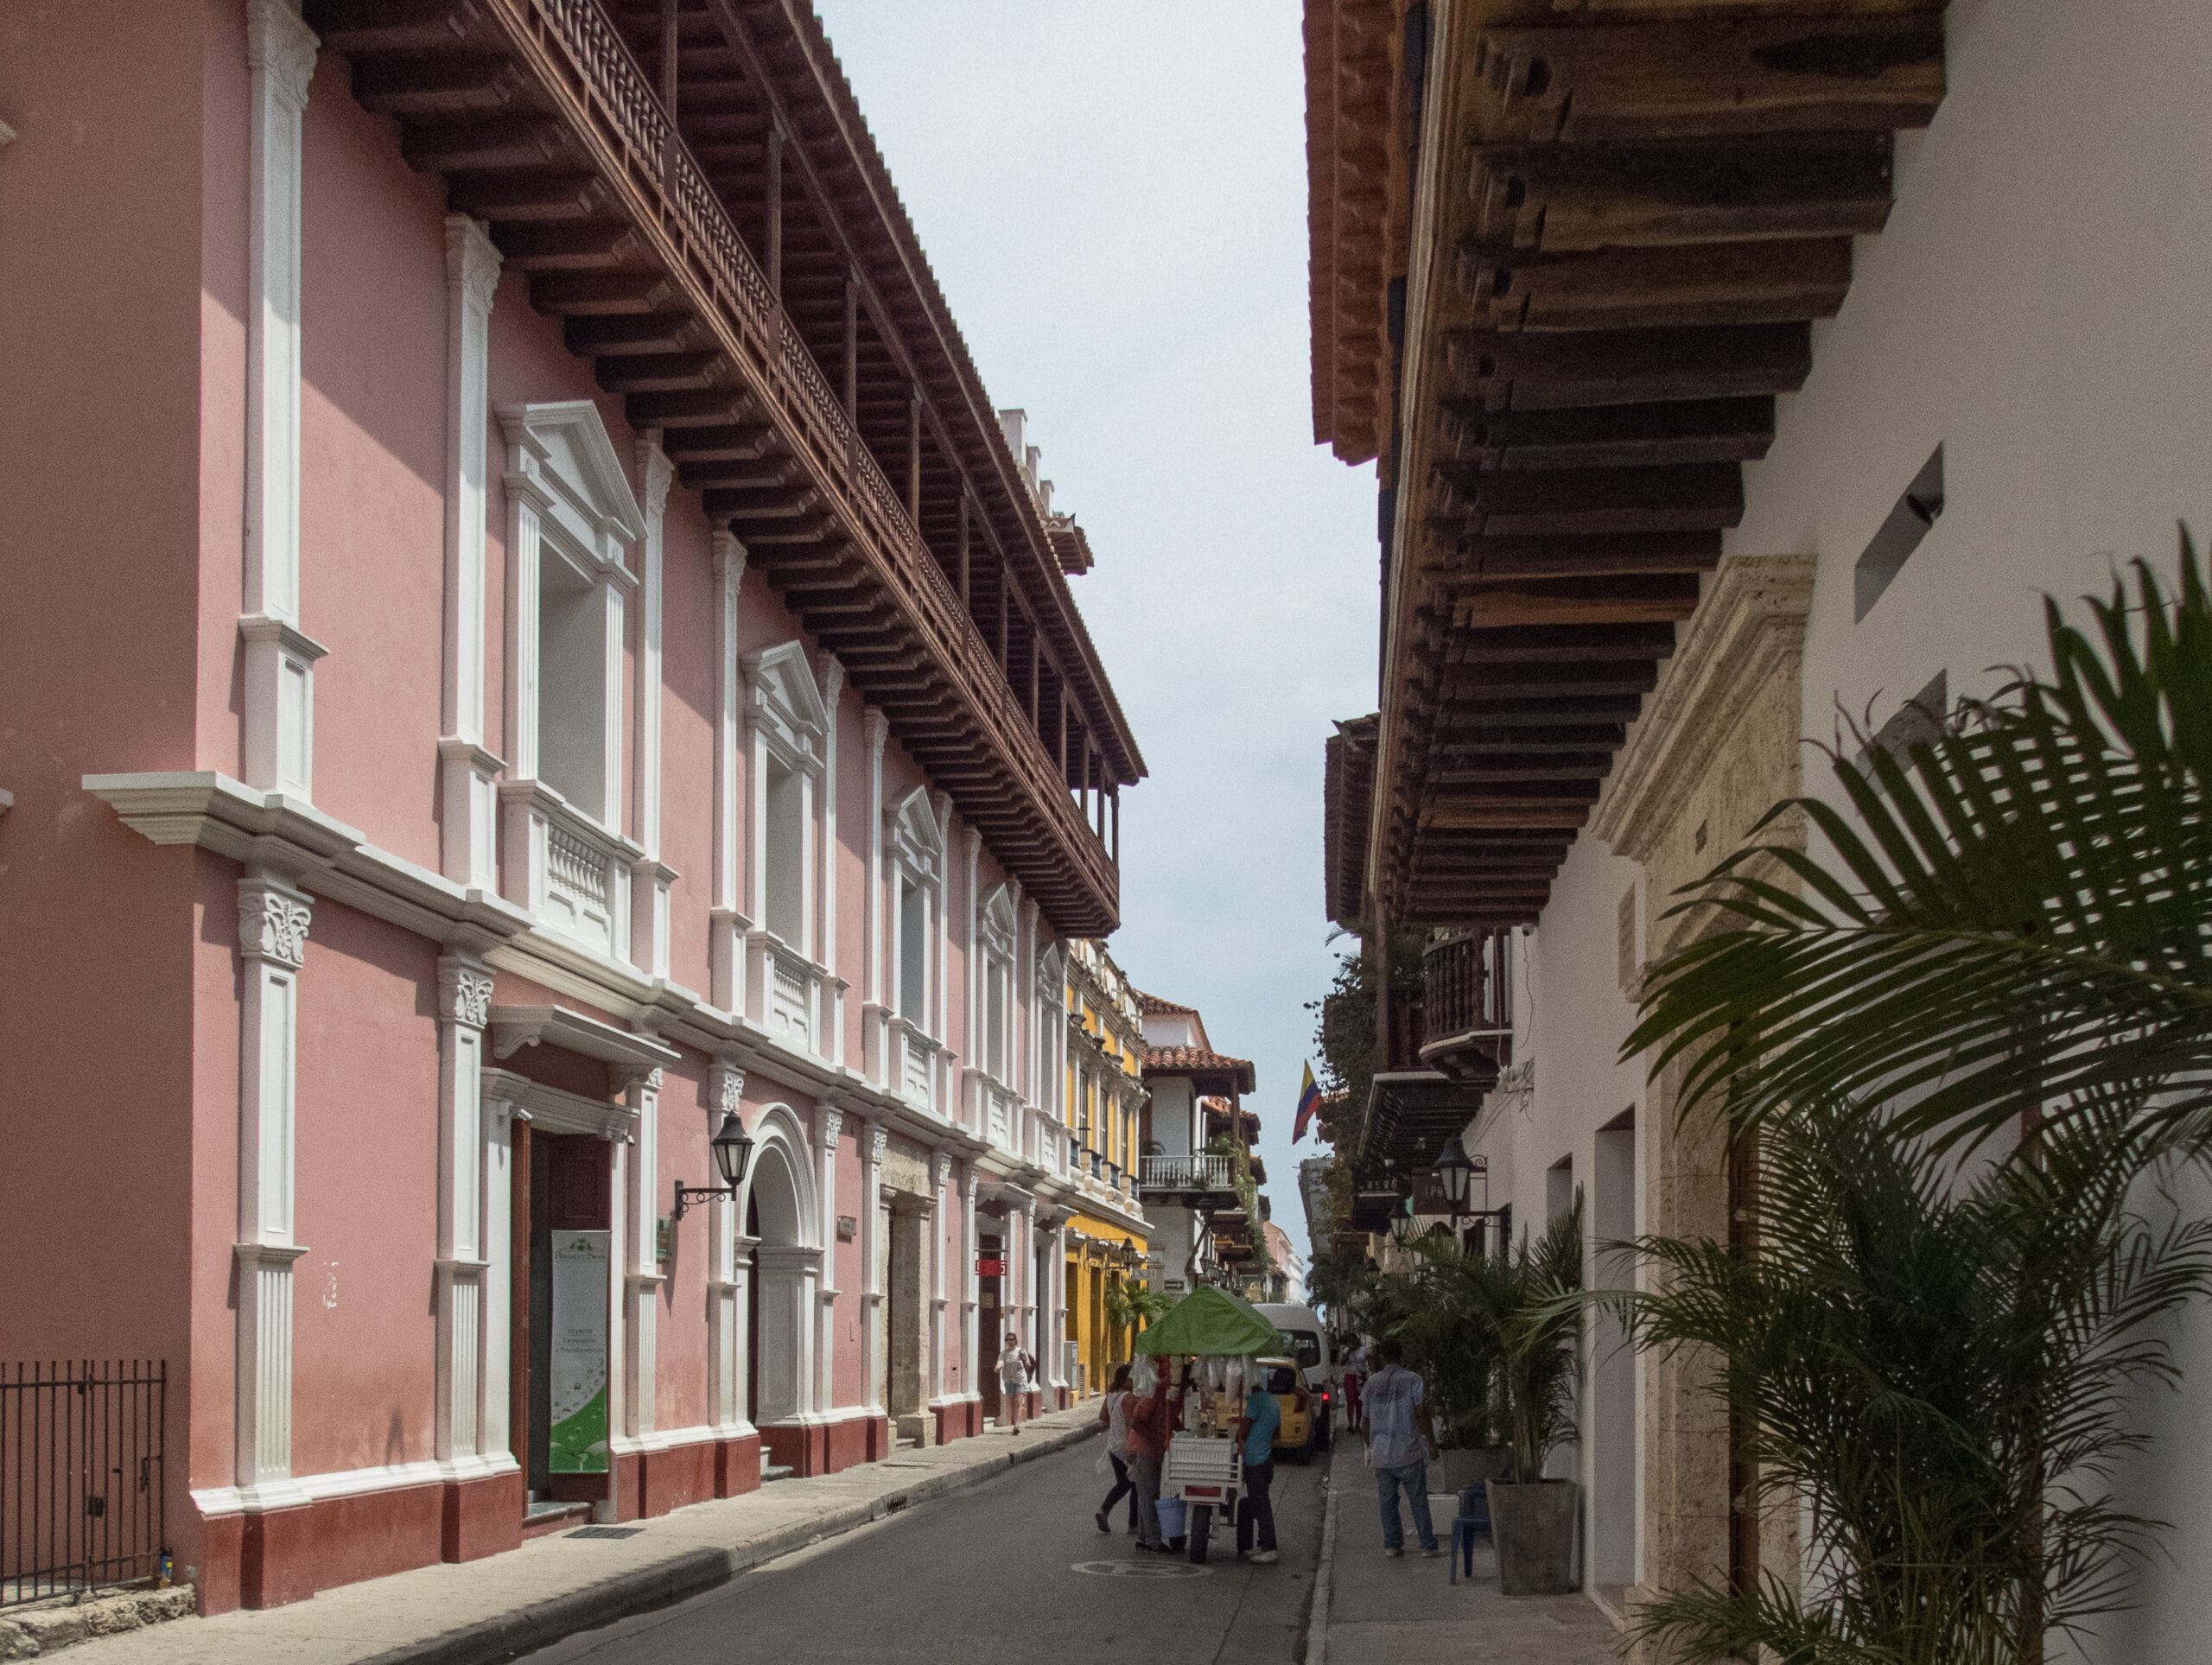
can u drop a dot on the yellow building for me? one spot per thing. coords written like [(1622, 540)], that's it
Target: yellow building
[(1104, 1106)]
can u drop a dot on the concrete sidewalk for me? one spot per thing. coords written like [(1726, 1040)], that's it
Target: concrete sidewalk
[(1366, 1606), (551, 1587)]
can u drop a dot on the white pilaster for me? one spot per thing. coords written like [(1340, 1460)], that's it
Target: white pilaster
[(642, 1274), (1027, 1274), (874, 1139), (876, 977), (620, 1168), (940, 1223), (971, 981), (827, 1122), (1052, 1354), (494, 1439), (1021, 1059), (946, 1097), (524, 567), (464, 1006), (831, 674), (273, 921), (468, 773), (279, 672), (970, 1287), (650, 880), (730, 920), (727, 1272)]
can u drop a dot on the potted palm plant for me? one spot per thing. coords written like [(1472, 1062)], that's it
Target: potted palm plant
[(1936, 1373), (1442, 1316), (1531, 1299), (2002, 939)]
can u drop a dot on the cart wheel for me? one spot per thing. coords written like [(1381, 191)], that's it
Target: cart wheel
[(1201, 1525)]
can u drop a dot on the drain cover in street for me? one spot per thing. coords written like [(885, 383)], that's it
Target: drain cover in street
[(604, 1532), (1140, 1569)]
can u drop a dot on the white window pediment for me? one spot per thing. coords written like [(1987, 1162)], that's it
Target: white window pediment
[(786, 703), (917, 841), (1052, 979), (998, 923), (560, 455)]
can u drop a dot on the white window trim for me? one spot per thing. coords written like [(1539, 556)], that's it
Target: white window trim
[(993, 950), (1048, 1043), (568, 495), (914, 854), (789, 722)]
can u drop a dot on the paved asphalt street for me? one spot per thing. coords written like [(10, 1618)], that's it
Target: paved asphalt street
[(1010, 1573)]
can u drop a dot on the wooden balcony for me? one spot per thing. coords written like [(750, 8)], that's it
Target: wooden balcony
[(545, 125), (1467, 1010)]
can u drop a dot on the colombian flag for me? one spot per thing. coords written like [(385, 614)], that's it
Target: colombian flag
[(1309, 1100)]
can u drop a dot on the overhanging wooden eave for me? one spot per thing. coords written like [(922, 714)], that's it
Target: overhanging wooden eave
[(1580, 390)]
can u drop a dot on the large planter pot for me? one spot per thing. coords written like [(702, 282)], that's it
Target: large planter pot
[(1533, 1526), (1460, 1469)]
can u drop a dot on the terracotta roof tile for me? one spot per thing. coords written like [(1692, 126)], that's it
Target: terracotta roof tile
[(1195, 1060), (1152, 1006)]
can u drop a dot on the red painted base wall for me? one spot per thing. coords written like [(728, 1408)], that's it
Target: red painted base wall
[(737, 1466), (270, 1559)]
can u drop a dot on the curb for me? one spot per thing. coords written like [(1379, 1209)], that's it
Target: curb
[(48, 1627), (489, 1642), (1325, 1573)]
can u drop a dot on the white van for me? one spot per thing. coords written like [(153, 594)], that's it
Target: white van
[(1306, 1339)]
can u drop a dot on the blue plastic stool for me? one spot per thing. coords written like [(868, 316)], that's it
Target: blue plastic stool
[(1473, 1517)]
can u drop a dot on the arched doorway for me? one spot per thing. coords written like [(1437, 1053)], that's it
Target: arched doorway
[(782, 1295)]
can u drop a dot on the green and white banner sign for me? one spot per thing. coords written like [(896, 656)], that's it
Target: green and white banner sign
[(579, 1347)]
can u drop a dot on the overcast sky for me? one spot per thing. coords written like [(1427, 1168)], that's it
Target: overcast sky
[(1113, 196)]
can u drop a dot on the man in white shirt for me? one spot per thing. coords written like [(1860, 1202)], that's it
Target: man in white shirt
[(1400, 1442)]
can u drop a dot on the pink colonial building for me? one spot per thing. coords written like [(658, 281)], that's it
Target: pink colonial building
[(524, 638)]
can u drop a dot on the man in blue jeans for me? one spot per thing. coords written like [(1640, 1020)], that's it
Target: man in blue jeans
[(1400, 1442), (1256, 1428)]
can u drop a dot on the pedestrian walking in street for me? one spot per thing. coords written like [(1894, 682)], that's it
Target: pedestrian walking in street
[(1256, 1510), (1150, 1419), (1017, 1376), (1399, 1443), (1355, 1378), (1114, 1417)]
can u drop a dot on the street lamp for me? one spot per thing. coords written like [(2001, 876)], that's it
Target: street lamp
[(732, 1151), (1455, 1172)]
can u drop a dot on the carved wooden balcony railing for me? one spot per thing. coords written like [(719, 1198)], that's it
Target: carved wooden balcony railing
[(683, 320), (1467, 1020)]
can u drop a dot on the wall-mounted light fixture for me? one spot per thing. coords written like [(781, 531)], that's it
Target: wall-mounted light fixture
[(732, 1151), (1455, 1172)]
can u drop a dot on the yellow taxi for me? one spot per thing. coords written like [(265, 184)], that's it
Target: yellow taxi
[(1294, 1437)]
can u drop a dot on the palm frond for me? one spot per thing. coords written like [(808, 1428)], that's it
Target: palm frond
[(2018, 915), (1938, 1369)]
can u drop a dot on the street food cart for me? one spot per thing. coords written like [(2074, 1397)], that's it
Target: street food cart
[(1221, 1336)]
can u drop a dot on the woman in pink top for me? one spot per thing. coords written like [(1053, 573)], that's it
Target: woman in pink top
[(1114, 1417)]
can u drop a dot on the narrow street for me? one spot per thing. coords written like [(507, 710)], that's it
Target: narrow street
[(1035, 1577)]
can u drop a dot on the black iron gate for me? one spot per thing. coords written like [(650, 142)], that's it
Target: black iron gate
[(81, 1492)]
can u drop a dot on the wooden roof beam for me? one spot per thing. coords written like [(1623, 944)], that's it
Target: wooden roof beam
[(1694, 496), (1631, 82), (1564, 197), (1616, 435), (1649, 597), (1541, 370)]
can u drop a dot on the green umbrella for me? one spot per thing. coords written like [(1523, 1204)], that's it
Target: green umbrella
[(1211, 1322)]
